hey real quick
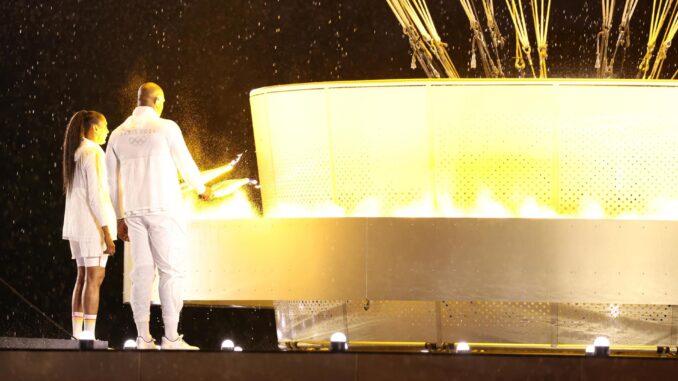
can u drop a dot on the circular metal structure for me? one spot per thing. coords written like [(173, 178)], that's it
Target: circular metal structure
[(468, 148)]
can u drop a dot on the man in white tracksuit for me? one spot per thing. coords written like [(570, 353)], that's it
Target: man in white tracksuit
[(143, 157)]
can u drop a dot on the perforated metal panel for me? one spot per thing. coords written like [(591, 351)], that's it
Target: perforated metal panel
[(309, 320), (493, 321), (471, 148), (622, 323), (392, 320), (486, 314), (481, 321), (296, 176), (620, 154), (494, 142)]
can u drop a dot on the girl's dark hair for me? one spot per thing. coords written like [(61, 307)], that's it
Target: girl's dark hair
[(78, 126)]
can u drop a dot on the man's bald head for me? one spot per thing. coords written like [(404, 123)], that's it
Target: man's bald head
[(151, 95)]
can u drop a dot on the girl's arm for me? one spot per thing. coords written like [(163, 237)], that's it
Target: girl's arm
[(97, 193), (93, 171)]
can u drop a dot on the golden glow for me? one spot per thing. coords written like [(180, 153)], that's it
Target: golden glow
[(495, 348), (207, 176), (229, 198), (236, 205), (486, 206), (291, 210), (594, 149), (228, 187)]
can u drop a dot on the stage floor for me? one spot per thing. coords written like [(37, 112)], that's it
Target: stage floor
[(133, 365)]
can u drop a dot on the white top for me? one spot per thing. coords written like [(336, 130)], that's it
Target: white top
[(143, 157), (88, 204)]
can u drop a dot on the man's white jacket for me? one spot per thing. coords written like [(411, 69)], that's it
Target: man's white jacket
[(143, 157)]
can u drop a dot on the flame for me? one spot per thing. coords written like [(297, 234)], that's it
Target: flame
[(485, 206), (208, 175), (228, 187), (419, 208), (237, 205), (591, 209), (231, 201), (532, 209), (369, 207), (664, 208), (292, 211)]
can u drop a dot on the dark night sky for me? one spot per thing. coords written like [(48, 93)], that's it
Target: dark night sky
[(62, 56)]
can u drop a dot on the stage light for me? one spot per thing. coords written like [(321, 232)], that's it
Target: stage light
[(424, 351), (601, 341), (228, 345), (462, 347), (601, 346), (86, 341), (590, 350), (237, 349), (130, 344), (338, 342)]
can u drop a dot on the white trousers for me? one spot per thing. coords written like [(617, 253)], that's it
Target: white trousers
[(157, 241)]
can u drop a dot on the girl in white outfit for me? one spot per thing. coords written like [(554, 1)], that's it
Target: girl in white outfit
[(89, 219)]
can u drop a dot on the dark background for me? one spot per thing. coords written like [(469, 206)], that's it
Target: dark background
[(61, 56)]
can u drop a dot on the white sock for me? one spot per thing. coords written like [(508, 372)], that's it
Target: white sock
[(90, 323), (143, 330), (76, 320), (171, 329)]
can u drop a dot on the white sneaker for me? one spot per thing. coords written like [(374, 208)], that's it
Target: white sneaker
[(144, 345), (177, 345)]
